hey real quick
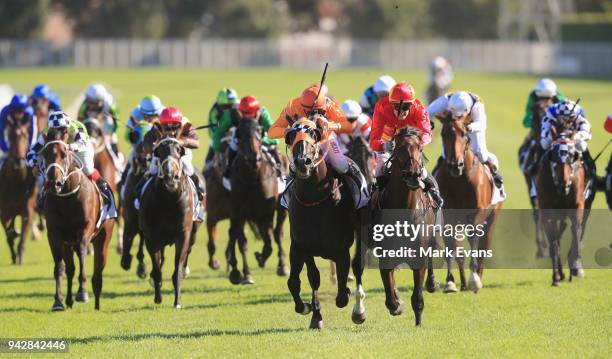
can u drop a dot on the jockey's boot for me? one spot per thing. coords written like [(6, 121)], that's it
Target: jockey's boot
[(497, 178), (355, 175), (431, 187), (107, 194), (199, 190)]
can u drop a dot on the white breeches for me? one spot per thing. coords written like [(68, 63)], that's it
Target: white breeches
[(334, 154), (87, 158), (478, 144)]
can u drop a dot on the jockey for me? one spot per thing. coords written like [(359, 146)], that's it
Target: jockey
[(440, 73), (16, 110), (174, 124), (99, 101), (227, 99), (372, 94), (362, 123), (544, 94), (314, 103), (249, 107), (43, 98), (564, 113), (469, 108), (148, 110), (78, 142), (388, 118)]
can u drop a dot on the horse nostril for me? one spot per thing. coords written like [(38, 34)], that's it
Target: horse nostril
[(308, 162)]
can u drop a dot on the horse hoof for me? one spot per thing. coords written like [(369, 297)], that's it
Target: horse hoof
[(177, 306), (578, 273), (235, 277), (305, 310), (399, 310), (261, 262), (475, 284), (126, 261), (342, 300), (186, 272), (69, 303), (141, 271), (556, 283), (539, 254), (451, 287), (282, 271), (247, 280), (157, 300), (316, 324), (57, 306), (214, 264), (350, 278), (82, 296), (358, 318), (432, 286)]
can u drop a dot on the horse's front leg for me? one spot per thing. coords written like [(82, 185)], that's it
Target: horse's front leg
[(68, 257), (281, 214), (82, 295), (211, 229), (9, 228), (474, 283), (56, 251), (343, 263), (416, 299), (156, 274), (101, 243), (574, 256), (180, 260), (450, 287), (296, 260), (358, 316), (314, 278), (265, 229), (392, 301), (26, 225)]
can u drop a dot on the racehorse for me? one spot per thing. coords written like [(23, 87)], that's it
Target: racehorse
[(465, 185), (323, 221), (405, 191), (138, 167), (166, 215), (105, 164), (18, 190), (529, 155), (562, 183), (72, 208), (253, 199)]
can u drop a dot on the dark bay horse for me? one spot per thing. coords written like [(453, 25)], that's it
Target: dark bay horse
[(18, 190), (166, 215), (131, 228), (561, 183), (529, 155), (104, 163), (72, 209), (254, 199), (323, 221), (405, 191), (465, 185)]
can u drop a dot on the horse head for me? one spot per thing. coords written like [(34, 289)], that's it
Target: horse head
[(304, 138), (455, 143), (564, 162), (18, 136), (249, 135), (169, 152), (408, 157), (58, 161), (94, 130)]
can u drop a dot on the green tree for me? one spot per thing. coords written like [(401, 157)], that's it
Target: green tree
[(249, 18), (386, 18), (465, 19), (21, 19)]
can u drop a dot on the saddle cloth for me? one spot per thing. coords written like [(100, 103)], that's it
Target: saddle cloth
[(106, 211), (499, 194)]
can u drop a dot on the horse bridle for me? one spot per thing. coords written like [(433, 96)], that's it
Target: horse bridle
[(64, 171), (308, 129), (167, 160), (466, 138), (574, 165), (406, 174)]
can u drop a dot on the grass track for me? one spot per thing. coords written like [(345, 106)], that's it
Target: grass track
[(516, 314)]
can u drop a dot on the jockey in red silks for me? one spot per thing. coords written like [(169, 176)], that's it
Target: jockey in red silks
[(401, 109)]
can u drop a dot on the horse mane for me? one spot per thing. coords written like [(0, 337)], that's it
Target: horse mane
[(409, 132)]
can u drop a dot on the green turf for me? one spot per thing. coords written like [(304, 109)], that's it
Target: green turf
[(516, 314)]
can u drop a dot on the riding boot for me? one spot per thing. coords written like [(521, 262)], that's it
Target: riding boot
[(497, 178), (196, 181), (107, 194), (431, 187), (355, 175)]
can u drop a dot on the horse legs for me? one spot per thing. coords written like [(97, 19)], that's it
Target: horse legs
[(56, 252), (68, 256), (431, 279), (101, 243), (392, 301), (82, 295), (358, 316), (450, 287), (296, 261), (343, 263), (141, 271), (574, 256), (333, 275), (246, 270), (265, 229), (314, 278), (550, 227), (281, 214), (180, 260), (11, 234), (211, 228), (230, 253), (26, 225), (155, 253), (130, 230), (416, 299)]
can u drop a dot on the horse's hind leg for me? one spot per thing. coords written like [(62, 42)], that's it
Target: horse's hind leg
[(130, 231), (281, 214), (574, 256), (314, 278), (265, 230), (211, 228), (68, 256), (392, 301), (416, 299), (180, 260), (58, 269), (141, 271), (359, 314), (26, 225), (343, 263), (296, 261), (431, 279), (450, 287), (101, 243), (11, 234), (246, 270), (82, 295)]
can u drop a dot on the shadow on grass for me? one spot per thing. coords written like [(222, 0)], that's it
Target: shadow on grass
[(188, 335), (26, 280), (23, 310)]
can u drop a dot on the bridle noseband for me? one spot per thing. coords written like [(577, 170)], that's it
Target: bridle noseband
[(169, 159), (64, 170)]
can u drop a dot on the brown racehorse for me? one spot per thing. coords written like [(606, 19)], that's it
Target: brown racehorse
[(529, 155), (323, 221), (72, 208), (166, 215), (561, 184), (465, 185), (254, 199), (41, 110), (18, 191), (103, 162), (139, 166), (404, 191)]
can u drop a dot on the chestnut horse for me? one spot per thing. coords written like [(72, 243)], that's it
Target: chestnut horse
[(561, 187), (465, 185), (253, 199), (405, 191), (18, 190), (166, 215), (72, 209), (323, 221), (139, 165)]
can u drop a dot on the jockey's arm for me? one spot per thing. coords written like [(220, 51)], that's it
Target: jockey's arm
[(32, 156), (584, 129), (424, 124), (378, 124), (438, 107), (546, 135), (479, 118), (223, 126), (338, 122), (213, 119), (82, 112), (266, 122), (189, 137), (279, 128)]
